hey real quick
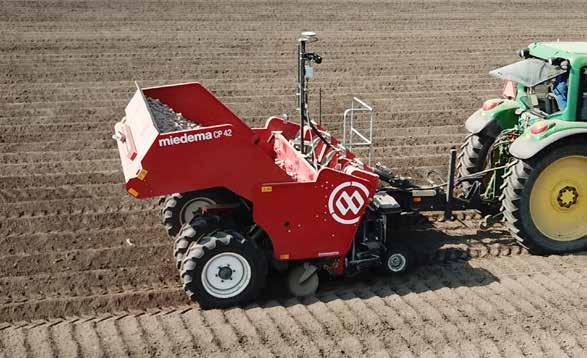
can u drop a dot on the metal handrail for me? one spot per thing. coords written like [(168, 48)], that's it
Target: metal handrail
[(349, 116)]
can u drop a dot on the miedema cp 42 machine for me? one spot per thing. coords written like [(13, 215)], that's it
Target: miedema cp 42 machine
[(289, 196)]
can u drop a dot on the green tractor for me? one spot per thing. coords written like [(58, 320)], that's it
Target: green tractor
[(526, 154)]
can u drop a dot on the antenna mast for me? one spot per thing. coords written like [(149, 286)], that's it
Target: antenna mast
[(305, 72)]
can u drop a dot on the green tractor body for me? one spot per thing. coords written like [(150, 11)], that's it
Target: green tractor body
[(532, 146)]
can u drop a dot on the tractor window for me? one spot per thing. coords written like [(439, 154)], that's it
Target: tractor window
[(583, 96)]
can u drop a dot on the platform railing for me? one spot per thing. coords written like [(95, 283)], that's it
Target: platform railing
[(350, 132)]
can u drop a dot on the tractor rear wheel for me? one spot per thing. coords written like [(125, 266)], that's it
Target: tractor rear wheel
[(180, 208), (223, 269), (545, 200)]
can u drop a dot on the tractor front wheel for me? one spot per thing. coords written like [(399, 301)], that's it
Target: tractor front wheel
[(545, 200), (473, 155), (223, 269), (473, 158)]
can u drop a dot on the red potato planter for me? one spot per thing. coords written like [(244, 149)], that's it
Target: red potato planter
[(241, 200), (258, 166)]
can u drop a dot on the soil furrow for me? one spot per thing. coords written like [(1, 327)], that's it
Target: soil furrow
[(457, 327), (156, 337), (133, 336), (89, 341), (269, 332), (204, 337), (542, 288), (69, 181), (40, 342), (76, 222), (61, 307), (86, 283), (535, 306), (83, 239), (111, 338), (365, 317), (349, 343), (296, 337), (180, 337), (225, 333), (405, 320), (487, 299), (22, 200), (83, 260), (303, 317), (428, 319), (13, 339), (247, 333), (70, 207)]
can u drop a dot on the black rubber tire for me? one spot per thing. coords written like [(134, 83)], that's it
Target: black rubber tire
[(199, 226), (472, 156), (398, 249), (174, 205), (516, 201), (207, 248)]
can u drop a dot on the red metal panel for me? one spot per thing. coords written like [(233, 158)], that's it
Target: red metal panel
[(307, 214), (275, 124), (315, 219), (291, 161), (225, 152), (216, 156)]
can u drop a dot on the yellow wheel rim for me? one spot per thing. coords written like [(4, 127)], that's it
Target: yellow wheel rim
[(558, 200)]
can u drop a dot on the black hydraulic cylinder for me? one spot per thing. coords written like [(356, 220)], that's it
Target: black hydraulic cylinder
[(320, 106), (450, 185)]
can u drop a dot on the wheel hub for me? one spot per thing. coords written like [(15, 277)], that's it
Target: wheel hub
[(567, 197), (558, 207), (226, 275), (396, 262), (225, 272), (191, 208)]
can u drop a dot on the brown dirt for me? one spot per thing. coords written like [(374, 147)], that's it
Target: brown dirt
[(74, 243), (493, 307)]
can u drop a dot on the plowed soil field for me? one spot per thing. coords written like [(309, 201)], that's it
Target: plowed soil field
[(87, 270)]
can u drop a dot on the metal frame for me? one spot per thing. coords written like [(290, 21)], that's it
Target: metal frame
[(302, 90), (349, 116), (304, 58)]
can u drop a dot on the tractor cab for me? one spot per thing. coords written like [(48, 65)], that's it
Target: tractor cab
[(549, 81), (538, 82)]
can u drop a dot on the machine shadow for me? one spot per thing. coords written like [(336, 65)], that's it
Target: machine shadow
[(440, 260), (425, 278)]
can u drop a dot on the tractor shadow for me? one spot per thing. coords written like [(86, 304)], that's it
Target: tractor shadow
[(441, 259)]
